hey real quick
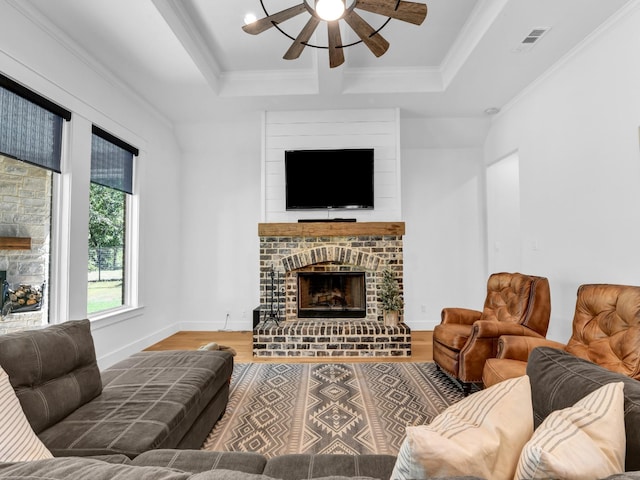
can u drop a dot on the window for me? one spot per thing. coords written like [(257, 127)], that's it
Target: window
[(31, 129), (109, 198)]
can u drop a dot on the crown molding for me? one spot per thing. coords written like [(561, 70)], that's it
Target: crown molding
[(33, 15), (393, 80), (369, 80), (274, 82)]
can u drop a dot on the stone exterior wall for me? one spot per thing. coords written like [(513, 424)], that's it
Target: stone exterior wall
[(25, 211)]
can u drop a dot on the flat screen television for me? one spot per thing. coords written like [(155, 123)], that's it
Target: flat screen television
[(324, 179)]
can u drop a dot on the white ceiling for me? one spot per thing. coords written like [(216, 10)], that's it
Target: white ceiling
[(191, 61)]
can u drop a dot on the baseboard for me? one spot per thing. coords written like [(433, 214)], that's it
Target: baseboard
[(217, 326), (123, 352), (422, 325)]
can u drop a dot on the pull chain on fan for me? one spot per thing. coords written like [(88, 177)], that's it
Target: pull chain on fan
[(410, 12)]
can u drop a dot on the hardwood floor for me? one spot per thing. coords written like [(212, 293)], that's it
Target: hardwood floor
[(241, 342)]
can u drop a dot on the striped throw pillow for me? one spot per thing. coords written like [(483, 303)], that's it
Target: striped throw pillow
[(584, 441), (18, 442), (481, 435)]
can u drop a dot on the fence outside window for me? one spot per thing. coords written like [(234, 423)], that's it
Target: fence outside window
[(106, 263)]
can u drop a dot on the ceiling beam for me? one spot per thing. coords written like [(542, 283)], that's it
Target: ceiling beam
[(480, 21), (181, 20)]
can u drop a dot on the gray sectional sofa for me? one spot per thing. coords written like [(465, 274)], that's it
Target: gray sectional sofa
[(150, 400), (201, 465), (557, 379)]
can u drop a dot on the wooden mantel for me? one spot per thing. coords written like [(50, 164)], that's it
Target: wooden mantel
[(15, 243), (329, 229)]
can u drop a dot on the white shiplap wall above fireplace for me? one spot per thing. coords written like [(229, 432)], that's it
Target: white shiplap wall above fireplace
[(332, 129)]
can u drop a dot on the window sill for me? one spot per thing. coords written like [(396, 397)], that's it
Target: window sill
[(111, 317)]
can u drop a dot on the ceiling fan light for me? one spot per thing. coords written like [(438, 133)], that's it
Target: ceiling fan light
[(250, 18), (330, 10)]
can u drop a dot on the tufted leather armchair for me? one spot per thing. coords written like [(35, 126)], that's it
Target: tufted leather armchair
[(606, 331), (516, 304)]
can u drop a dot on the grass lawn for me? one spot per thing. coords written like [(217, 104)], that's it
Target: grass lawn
[(104, 295)]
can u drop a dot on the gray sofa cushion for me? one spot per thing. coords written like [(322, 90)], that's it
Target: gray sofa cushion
[(196, 461), (149, 400), (559, 380), (287, 467), (53, 370), (249, 465), (303, 466), (85, 468), (230, 475)]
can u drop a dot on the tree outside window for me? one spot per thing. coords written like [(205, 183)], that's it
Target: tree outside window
[(107, 221)]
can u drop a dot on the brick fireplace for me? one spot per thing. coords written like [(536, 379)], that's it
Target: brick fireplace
[(346, 260), (331, 294)]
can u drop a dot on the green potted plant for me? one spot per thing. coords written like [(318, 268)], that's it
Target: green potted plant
[(390, 298)]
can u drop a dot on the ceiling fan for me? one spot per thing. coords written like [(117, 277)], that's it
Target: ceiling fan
[(332, 11)]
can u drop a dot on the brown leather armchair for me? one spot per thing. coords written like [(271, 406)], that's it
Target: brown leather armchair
[(606, 331), (516, 304)]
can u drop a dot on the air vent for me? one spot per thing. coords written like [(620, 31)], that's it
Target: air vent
[(531, 39)]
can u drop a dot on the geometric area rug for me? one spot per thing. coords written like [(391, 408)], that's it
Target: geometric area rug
[(347, 408)]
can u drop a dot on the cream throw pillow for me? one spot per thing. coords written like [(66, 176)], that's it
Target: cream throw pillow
[(18, 442), (482, 435), (584, 441)]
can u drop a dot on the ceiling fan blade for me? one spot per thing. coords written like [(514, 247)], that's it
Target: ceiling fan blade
[(411, 12), (303, 37), (266, 23), (336, 52), (376, 42)]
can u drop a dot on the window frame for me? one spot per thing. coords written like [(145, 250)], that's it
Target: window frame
[(131, 300), (59, 149), (130, 297), (68, 271)]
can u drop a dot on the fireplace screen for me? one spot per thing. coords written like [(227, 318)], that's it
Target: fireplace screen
[(331, 295)]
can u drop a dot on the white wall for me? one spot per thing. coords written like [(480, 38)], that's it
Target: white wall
[(444, 247), (300, 130), (442, 207), (504, 244), (577, 135), (220, 215), (35, 57)]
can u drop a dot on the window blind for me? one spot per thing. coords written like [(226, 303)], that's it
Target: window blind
[(30, 126), (111, 161)]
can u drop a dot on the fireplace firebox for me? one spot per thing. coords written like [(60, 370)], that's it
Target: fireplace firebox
[(331, 295)]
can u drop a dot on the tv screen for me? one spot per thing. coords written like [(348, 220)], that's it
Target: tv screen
[(329, 178)]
